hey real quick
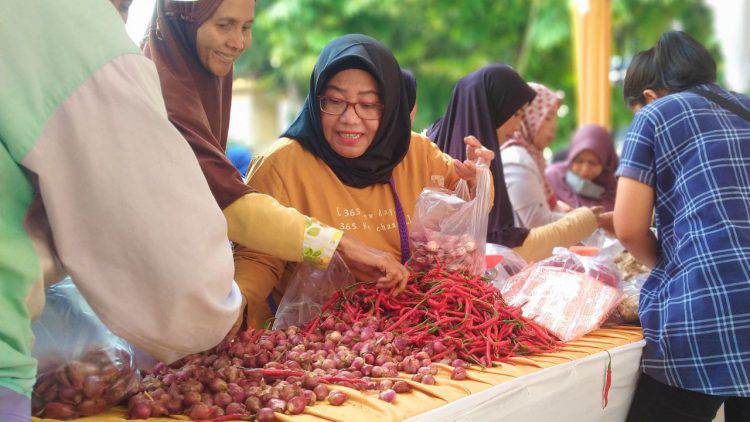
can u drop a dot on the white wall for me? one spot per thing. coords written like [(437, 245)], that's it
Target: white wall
[(732, 29), (258, 117)]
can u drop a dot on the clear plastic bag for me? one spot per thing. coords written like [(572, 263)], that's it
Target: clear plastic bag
[(449, 228), (599, 267), (629, 267), (609, 247), (83, 368), (509, 264), (570, 295), (628, 308), (308, 291)]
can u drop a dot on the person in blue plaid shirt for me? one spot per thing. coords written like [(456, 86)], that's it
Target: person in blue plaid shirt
[(686, 161)]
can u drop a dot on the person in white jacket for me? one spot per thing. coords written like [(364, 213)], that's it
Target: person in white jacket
[(96, 183), (534, 202)]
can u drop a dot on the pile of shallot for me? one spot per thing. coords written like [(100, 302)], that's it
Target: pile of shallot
[(265, 371)]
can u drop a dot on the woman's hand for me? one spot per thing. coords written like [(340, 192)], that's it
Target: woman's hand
[(379, 267), (606, 222), (474, 152)]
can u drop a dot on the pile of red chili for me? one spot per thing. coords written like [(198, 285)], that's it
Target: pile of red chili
[(456, 315)]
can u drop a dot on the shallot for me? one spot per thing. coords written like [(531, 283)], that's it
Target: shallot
[(336, 397), (458, 373), (388, 396)]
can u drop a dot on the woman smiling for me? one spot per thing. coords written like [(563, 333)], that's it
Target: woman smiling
[(349, 160)]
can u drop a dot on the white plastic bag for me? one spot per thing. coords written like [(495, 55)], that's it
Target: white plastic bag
[(308, 290), (570, 295), (82, 367), (449, 228)]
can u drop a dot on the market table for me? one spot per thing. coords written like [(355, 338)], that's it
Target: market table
[(563, 386)]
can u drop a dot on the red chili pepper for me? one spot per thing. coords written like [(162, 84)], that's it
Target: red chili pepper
[(435, 304), (313, 326), (440, 355), (607, 381), (466, 313), (257, 333), (483, 325)]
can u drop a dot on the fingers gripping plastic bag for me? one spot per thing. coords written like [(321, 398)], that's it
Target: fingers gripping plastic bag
[(568, 294), (449, 228), (308, 291), (83, 368)]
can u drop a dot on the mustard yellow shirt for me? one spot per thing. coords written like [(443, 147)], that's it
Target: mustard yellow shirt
[(300, 180)]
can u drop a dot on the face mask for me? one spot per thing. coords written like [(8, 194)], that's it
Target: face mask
[(583, 187)]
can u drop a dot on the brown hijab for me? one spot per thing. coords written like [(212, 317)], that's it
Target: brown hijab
[(198, 102)]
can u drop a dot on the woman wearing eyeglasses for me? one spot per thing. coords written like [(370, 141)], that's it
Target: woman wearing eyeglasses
[(194, 45), (349, 160)]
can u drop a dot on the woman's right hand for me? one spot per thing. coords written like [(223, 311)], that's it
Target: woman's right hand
[(384, 270), (475, 153)]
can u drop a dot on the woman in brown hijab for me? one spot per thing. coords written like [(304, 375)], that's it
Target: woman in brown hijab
[(194, 45)]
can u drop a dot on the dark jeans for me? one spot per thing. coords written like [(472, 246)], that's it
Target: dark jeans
[(654, 401), (14, 407)]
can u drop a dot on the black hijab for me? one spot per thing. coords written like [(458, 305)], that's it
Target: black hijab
[(411, 87), (482, 101), (391, 141)]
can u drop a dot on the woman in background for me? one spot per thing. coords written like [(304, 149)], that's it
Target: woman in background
[(587, 177), (534, 203), (488, 104)]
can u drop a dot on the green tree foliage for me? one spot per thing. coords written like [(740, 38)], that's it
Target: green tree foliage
[(443, 40)]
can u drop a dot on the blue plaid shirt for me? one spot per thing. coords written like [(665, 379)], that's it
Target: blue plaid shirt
[(695, 305)]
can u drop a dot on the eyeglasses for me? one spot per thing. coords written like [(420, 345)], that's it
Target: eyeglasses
[(336, 107)]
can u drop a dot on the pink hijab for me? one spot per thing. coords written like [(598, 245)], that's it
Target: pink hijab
[(546, 101), (599, 141)]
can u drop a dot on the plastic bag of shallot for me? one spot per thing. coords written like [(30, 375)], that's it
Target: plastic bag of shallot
[(83, 368), (449, 228)]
